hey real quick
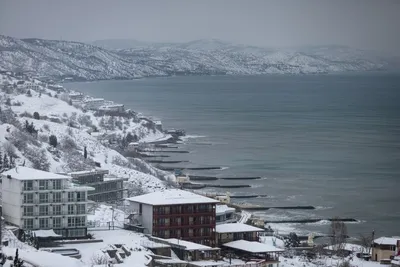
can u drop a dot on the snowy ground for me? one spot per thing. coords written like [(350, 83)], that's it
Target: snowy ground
[(55, 116)]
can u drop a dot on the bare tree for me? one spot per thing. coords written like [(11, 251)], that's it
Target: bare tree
[(338, 235), (134, 189), (98, 259), (365, 242), (10, 149)]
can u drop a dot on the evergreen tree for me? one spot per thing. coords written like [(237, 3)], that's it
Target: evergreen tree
[(5, 162), (11, 164), (36, 115), (70, 102), (85, 153), (17, 261), (53, 140), (29, 93), (1, 161)]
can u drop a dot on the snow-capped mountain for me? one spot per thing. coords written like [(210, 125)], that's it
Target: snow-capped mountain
[(82, 61)]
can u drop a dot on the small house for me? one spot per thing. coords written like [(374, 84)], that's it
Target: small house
[(384, 248), (228, 232)]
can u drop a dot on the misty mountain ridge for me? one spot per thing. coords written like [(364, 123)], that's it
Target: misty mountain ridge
[(105, 60)]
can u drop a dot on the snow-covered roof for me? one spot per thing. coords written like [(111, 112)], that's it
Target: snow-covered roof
[(44, 258), (252, 246), (45, 233), (170, 261), (392, 241), (93, 171), (189, 245), (25, 173), (236, 228), (171, 197), (221, 209), (94, 100)]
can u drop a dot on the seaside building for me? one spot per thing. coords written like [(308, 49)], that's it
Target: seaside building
[(112, 108), (175, 214), (225, 214), (39, 200), (76, 96), (94, 103), (229, 232), (106, 189), (385, 248)]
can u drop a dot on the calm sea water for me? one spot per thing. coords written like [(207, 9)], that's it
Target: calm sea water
[(332, 141)]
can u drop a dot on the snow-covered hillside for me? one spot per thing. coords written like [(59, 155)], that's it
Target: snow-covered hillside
[(81, 61), (28, 120)]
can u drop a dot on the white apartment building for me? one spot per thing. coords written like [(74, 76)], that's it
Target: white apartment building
[(38, 200), (94, 103)]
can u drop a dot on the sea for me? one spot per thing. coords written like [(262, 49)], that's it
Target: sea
[(330, 141)]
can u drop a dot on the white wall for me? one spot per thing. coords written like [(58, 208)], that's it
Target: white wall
[(147, 215), (12, 200)]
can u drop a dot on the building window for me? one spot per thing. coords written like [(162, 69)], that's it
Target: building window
[(28, 223), (80, 196), (71, 196), (28, 198), (76, 232), (43, 210), (70, 209), (81, 209), (80, 221), (56, 184), (28, 185), (43, 184), (43, 198), (28, 211), (57, 222), (43, 223), (71, 221), (57, 210), (57, 197)]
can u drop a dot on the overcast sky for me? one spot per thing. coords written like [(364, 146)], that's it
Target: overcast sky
[(363, 24)]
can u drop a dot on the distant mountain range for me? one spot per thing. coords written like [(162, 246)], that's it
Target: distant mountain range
[(128, 59)]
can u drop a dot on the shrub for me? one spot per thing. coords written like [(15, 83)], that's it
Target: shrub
[(38, 158), (43, 138), (46, 127), (68, 143), (10, 149), (26, 114), (36, 115)]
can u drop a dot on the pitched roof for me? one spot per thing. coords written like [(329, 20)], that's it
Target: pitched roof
[(172, 197), (236, 228), (25, 173), (392, 241)]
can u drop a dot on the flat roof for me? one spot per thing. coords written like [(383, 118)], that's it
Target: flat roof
[(252, 246), (189, 245), (88, 172), (392, 241), (236, 228), (25, 173), (172, 197), (170, 261)]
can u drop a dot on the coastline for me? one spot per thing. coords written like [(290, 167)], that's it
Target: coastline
[(290, 197)]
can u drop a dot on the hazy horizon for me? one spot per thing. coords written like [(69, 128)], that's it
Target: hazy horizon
[(370, 25)]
